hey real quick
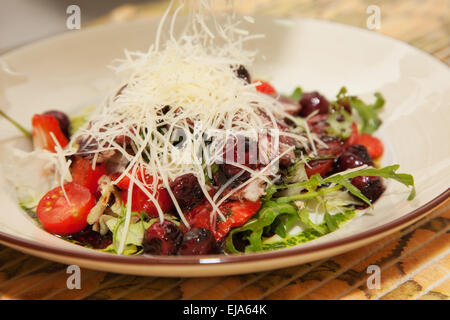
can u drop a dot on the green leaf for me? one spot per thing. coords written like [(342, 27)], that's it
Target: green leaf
[(388, 172), (296, 95), (270, 191), (304, 218), (283, 223), (309, 234), (342, 180), (368, 113), (79, 120), (308, 195), (331, 222), (135, 234), (265, 217)]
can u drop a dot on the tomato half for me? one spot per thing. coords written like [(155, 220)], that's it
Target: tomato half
[(61, 217), (373, 145), (43, 125), (140, 202), (236, 212), (83, 174), (124, 183), (265, 87)]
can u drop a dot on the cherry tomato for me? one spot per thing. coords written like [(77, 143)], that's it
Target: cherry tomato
[(139, 200), (236, 212), (61, 217), (321, 167), (83, 174), (373, 145), (124, 183), (43, 125), (265, 87)]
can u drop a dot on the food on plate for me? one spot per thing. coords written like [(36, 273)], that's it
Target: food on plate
[(191, 154)]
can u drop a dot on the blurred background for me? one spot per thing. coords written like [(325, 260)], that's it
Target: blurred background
[(422, 23), (22, 21), (415, 267)]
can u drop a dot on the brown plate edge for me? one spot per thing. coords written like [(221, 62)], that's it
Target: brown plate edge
[(215, 259)]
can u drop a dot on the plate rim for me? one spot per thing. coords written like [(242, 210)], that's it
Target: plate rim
[(210, 260), (228, 259)]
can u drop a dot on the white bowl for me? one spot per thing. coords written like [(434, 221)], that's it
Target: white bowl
[(69, 72)]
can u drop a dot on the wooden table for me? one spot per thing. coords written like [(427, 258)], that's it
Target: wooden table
[(414, 262)]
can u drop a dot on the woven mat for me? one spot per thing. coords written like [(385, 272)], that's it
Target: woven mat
[(414, 262)]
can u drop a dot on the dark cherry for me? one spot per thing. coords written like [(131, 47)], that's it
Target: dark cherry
[(90, 237), (353, 156), (187, 191), (371, 187), (198, 241), (238, 149), (63, 120), (162, 239), (242, 72), (312, 101)]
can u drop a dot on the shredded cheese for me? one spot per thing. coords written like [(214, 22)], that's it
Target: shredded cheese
[(186, 84)]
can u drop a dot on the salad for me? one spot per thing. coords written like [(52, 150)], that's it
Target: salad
[(189, 155)]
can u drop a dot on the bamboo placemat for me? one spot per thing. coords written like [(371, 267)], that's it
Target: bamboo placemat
[(414, 262)]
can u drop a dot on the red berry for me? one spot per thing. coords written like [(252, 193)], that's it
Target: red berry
[(311, 102), (198, 241), (353, 156), (371, 187), (162, 239)]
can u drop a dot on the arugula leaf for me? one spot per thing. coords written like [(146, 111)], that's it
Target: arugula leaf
[(265, 217), (309, 234), (297, 94), (304, 218), (386, 172), (331, 222), (283, 223), (270, 191), (342, 181), (308, 195), (368, 112)]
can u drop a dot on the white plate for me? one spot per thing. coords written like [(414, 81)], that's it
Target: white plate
[(69, 72)]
